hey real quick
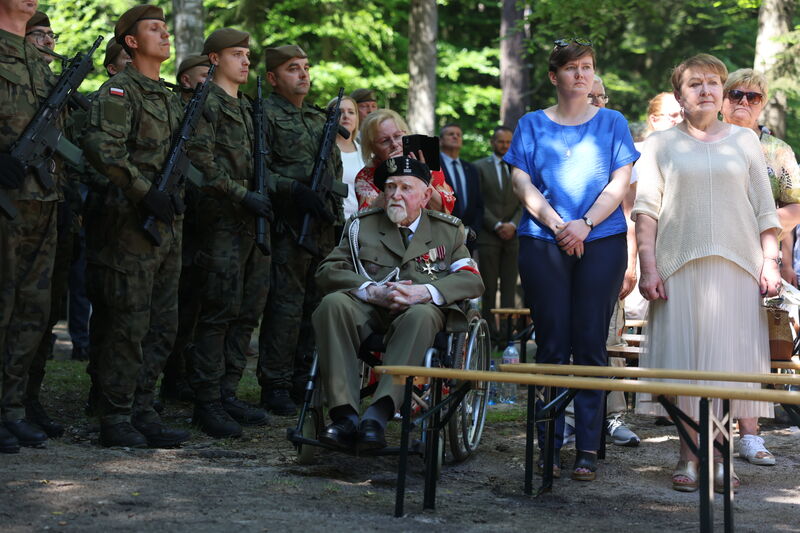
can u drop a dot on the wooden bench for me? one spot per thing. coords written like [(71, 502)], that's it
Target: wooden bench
[(708, 427)]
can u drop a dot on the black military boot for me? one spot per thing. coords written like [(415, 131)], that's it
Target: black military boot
[(278, 401), (214, 421), (122, 434), (27, 434), (8, 442), (35, 413), (243, 412), (160, 436)]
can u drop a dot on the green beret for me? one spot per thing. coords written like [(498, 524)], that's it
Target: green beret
[(113, 48), (191, 62), (38, 19), (363, 95), (279, 55), (401, 166), (134, 15), (225, 38)]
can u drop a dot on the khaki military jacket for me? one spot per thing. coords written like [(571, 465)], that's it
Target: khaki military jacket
[(436, 255), (25, 82), (293, 137), (222, 149)]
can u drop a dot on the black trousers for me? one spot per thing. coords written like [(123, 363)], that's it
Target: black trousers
[(571, 303)]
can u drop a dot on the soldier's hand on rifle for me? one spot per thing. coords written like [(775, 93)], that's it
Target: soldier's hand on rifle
[(159, 204), (310, 202), (258, 204), (12, 172), (177, 203)]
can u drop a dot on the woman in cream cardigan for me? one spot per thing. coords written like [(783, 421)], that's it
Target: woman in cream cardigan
[(706, 229)]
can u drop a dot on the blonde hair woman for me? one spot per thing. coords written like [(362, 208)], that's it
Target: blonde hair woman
[(352, 161)]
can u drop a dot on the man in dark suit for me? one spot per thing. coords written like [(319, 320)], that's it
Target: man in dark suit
[(462, 176), (497, 243)]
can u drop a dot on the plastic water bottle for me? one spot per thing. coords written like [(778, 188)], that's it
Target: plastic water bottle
[(508, 391), (492, 386)]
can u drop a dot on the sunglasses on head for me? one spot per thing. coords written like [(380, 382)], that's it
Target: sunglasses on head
[(561, 43), (753, 97)]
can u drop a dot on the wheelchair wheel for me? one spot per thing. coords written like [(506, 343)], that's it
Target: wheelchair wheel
[(465, 428), (311, 429)]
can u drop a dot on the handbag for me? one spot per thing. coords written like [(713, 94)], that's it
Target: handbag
[(780, 334)]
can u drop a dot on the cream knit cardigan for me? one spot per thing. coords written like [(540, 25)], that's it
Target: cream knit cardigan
[(709, 198)]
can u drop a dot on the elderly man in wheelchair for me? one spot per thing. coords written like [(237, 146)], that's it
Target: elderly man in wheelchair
[(399, 271)]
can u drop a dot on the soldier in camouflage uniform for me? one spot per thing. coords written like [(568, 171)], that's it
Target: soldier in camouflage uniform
[(174, 384), (28, 242), (294, 128), (133, 284), (233, 273)]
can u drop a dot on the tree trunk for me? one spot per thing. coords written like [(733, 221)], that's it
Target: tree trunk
[(774, 21), (514, 71), (422, 30), (188, 28)]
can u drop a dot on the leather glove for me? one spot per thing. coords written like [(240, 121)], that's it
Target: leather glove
[(178, 204), (258, 204), (159, 204), (12, 172), (309, 202)]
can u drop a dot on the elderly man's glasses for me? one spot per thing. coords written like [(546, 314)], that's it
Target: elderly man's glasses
[(40, 35), (599, 97), (753, 97), (561, 43)]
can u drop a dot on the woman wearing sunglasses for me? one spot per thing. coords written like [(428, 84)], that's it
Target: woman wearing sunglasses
[(706, 228), (572, 166), (745, 95)]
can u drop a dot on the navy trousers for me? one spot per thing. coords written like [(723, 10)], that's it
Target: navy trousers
[(571, 304)]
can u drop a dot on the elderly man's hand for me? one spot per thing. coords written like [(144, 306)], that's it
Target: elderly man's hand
[(379, 295), (404, 294)]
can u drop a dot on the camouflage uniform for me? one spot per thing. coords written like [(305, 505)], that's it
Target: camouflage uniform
[(27, 243), (132, 284), (233, 274), (286, 341)]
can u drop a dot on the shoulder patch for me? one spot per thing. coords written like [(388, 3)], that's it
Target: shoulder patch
[(444, 216), (369, 211), (116, 91)]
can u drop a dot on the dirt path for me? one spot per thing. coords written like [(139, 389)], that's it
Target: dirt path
[(254, 484)]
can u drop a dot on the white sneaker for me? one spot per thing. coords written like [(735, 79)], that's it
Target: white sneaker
[(751, 447)]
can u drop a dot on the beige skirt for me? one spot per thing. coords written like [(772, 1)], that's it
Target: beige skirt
[(712, 320)]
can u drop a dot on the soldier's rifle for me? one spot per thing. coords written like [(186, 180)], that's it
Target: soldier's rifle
[(260, 152), (178, 168), (322, 182), (34, 149)]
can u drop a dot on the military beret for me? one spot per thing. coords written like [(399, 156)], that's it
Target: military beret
[(225, 38), (134, 15), (281, 54), (363, 95), (38, 19), (401, 166), (191, 62), (113, 48)]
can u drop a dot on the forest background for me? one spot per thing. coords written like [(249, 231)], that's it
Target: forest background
[(365, 43)]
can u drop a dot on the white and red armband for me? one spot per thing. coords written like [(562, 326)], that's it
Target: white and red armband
[(465, 264)]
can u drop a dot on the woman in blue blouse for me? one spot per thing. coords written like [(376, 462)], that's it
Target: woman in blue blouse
[(572, 166)]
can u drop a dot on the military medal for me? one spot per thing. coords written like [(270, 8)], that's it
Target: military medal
[(431, 262)]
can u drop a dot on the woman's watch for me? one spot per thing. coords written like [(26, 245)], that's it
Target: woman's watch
[(588, 222), (778, 260)]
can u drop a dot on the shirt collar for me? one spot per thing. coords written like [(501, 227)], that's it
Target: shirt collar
[(497, 160), (413, 226), (447, 159)]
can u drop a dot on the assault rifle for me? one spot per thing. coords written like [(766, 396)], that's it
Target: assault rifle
[(260, 152), (322, 182), (34, 149), (178, 168)]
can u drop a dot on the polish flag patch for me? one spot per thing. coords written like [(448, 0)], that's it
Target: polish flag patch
[(116, 91), (465, 264)]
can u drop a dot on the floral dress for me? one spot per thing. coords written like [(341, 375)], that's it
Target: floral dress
[(367, 192)]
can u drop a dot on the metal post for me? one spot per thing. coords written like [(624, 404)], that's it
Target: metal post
[(404, 434), (432, 447), (549, 445), (727, 458), (706, 457), (530, 427)]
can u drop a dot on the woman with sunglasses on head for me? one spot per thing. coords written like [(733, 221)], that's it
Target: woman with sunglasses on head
[(745, 94), (572, 165), (708, 249)]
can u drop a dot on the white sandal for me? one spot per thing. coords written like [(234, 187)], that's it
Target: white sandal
[(751, 448), (687, 469)]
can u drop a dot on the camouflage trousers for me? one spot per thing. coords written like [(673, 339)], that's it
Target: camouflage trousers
[(134, 319), (233, 280), (286, 340), (58, 300), (27, 252)]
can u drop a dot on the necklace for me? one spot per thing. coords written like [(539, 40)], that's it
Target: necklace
[(568, 148)]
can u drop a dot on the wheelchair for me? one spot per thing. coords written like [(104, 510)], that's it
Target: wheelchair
[(457, 408)]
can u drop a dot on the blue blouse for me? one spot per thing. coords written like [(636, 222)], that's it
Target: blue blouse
[(571, 183)]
